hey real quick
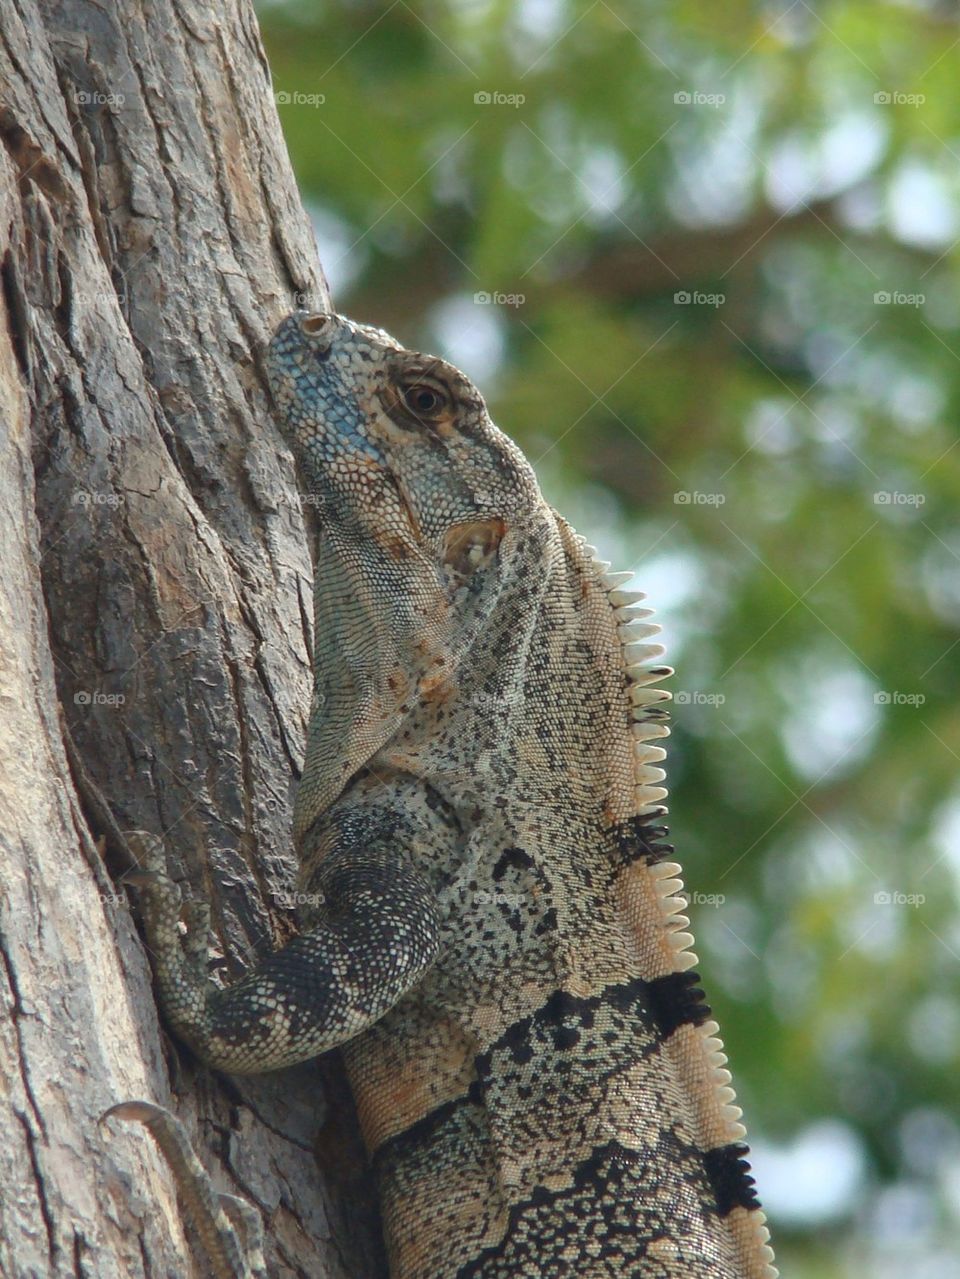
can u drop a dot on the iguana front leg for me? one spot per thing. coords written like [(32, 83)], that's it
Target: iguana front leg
[(374, 936)]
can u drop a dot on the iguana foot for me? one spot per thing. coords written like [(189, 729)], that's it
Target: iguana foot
[(204, 1207), (179, 959)]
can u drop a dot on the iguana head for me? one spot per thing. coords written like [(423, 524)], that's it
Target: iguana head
[(394, 445), (428, 514)]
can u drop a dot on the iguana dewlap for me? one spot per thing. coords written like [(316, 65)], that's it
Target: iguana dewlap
[(495, 937)]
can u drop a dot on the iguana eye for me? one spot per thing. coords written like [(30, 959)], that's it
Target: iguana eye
[(423, 400), (418, 399)]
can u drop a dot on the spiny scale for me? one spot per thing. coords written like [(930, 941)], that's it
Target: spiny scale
[(707, 1078)]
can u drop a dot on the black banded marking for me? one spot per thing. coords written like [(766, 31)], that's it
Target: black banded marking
[(565, 1019), (729, 1175), (640, 839), (678, 1000), (418, 1136), (557, 1014), (634, 1213)]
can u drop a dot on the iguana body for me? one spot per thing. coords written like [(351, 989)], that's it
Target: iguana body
[(497, 940)]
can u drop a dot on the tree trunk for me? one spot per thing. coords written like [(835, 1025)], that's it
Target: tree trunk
[(154, 626)]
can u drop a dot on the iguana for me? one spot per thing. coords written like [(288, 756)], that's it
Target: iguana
[(492, 931)]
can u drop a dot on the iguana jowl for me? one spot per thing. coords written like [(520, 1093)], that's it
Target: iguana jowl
[(496, 937)]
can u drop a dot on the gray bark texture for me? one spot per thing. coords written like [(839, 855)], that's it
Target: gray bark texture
[(155, 582)]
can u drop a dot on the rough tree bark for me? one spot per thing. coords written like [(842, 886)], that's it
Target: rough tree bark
[(154, 619)]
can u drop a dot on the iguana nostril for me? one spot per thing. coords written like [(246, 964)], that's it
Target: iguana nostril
[(315, 325)]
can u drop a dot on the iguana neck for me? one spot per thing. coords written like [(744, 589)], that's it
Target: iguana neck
[(408, 674)]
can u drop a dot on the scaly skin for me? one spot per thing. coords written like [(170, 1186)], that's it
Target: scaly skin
[(497, 939)]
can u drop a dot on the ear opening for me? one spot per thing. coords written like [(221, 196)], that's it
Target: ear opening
[(471, 546)]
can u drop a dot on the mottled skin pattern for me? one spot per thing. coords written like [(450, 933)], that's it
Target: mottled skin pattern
[(495, 937)]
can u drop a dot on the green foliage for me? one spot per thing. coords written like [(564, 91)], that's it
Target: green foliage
[(780, 459)]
